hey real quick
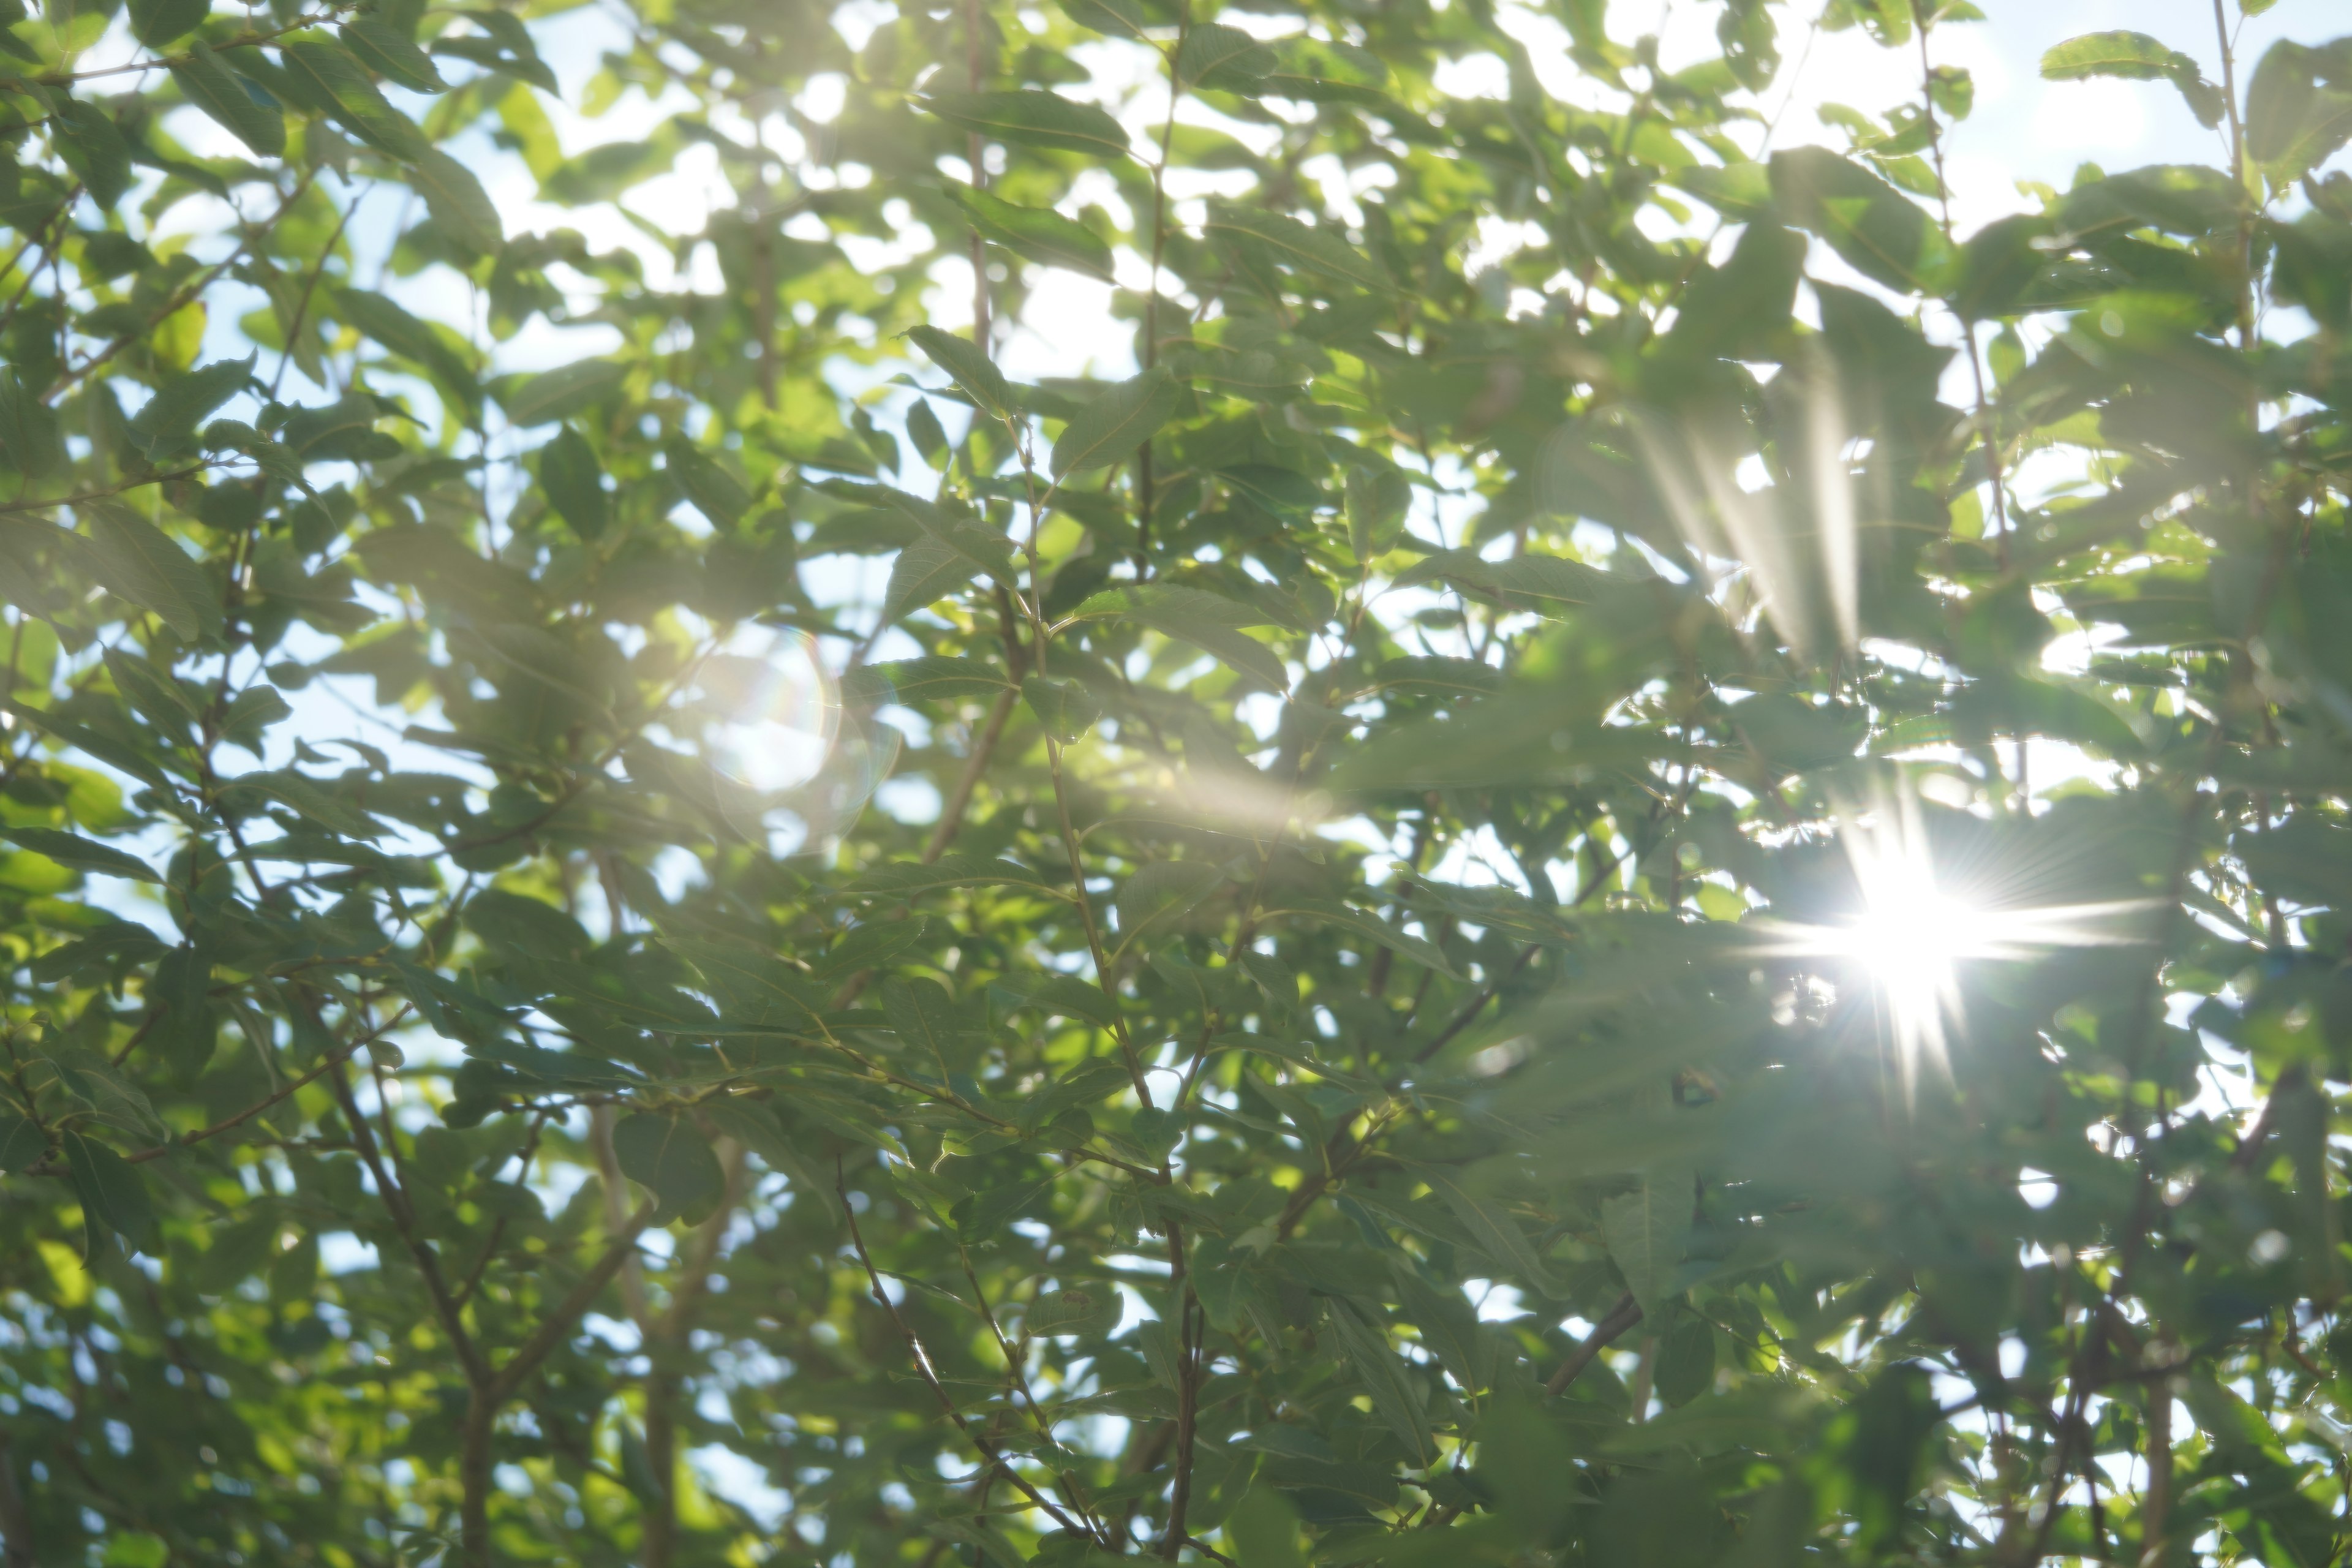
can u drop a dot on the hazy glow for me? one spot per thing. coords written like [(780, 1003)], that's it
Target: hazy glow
[(782, 713), (1802, 554), (1914, 931)]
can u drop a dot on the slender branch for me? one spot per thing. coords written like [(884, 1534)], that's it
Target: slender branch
[(1188, 1398), (64, 215), (616, 1213), (583, 1296), (1618, 1321), (309, 288), (978, 1439), (1143, 477), (404, 1219), (45, 502), (250, 1111), (1476, 1004), (983, 746), (187, 291), (242, 41)]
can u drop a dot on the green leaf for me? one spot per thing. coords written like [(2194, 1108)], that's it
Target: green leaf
[(560, 394), (93, 147), (1264, 1530), (1384, 1377), (391, 54), (21, 1143), (1742, 193), (1645, 1229), (1040, 234), (669, 1157), (907, 877), (1088, 1310), (112, 1193), (461, 209), (716, 493), (1062, 994), (1113, 18), (2298, 110), (2135, 56), (1032, 118), (931, 678), (137, 563), (1114, 424), (1686, 1359), (1377, 502), (1314, 71), (978, 1218), (1208, 621), (925, 571), (170, 417), (156, 23), (1222, 59), (574, 483), (203, 81), (1495, 1233), (403, 334), (81, 853), (1881, 233), (1298, 244), (250, 712), (970, 365), (1161, 892), (925, 1018), (754, 990), (508, 48), (1372, 928), (329, 71), (923, 429), (31, 438), (308, 800), (1066, 709)]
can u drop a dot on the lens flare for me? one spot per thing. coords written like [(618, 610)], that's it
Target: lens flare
[(1911, 933), (780, 711)]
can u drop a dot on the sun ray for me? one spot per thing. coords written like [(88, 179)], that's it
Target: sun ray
[(1912, 932)]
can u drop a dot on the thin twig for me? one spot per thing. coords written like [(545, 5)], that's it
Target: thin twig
[(978, 1439), (250, 1111), (45, 503), (583, 1296), (1621, 1318)]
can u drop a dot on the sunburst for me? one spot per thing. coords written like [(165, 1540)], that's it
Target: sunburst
[(1913, 931)]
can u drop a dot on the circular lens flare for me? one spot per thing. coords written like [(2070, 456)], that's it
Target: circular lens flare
[(780, 710)]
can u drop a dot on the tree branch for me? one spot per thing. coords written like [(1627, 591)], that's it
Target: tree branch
[(978, 1439), (404, 1219), (583, 1296), (1610, 1329)]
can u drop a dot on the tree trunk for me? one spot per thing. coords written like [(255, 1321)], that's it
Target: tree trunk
[(661, 1459), (474, 1473)]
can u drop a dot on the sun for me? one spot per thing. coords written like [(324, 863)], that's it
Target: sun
[(1912, 934)]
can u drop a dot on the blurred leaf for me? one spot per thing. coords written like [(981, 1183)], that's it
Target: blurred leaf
[(666, 1155), (1108, 429), (1040, 234), (1032, 119)]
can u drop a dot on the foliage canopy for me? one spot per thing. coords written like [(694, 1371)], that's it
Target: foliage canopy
[(1460, 963)]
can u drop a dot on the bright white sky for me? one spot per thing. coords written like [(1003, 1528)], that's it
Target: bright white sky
[(2024, 128)]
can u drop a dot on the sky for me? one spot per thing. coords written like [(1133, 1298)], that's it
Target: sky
[(2022, 128)]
